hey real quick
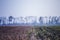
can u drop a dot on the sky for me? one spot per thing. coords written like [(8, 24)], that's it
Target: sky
[(19, 8)]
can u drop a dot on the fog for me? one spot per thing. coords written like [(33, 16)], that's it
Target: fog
[(19, 8)]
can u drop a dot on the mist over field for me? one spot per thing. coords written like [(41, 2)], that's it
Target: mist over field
[(29, 19)]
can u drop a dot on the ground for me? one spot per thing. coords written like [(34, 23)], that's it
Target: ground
[(29, 33)]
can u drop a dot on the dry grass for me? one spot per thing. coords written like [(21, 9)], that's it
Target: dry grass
[(14, 32)]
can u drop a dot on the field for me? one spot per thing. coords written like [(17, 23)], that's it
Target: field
[(29, 33)]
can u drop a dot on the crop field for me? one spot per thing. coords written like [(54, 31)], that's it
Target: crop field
[(29, 33)]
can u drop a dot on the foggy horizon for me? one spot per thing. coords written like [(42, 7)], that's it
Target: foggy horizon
[(19, 8)]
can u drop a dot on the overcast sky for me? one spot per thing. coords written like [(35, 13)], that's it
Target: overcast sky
[(19, 8)]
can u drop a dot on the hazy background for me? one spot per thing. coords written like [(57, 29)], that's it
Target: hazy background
[(19, 8)]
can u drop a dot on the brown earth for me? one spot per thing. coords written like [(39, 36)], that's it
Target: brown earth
[(15, 32)]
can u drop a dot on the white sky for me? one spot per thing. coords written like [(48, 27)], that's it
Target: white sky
[(19, 8)]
